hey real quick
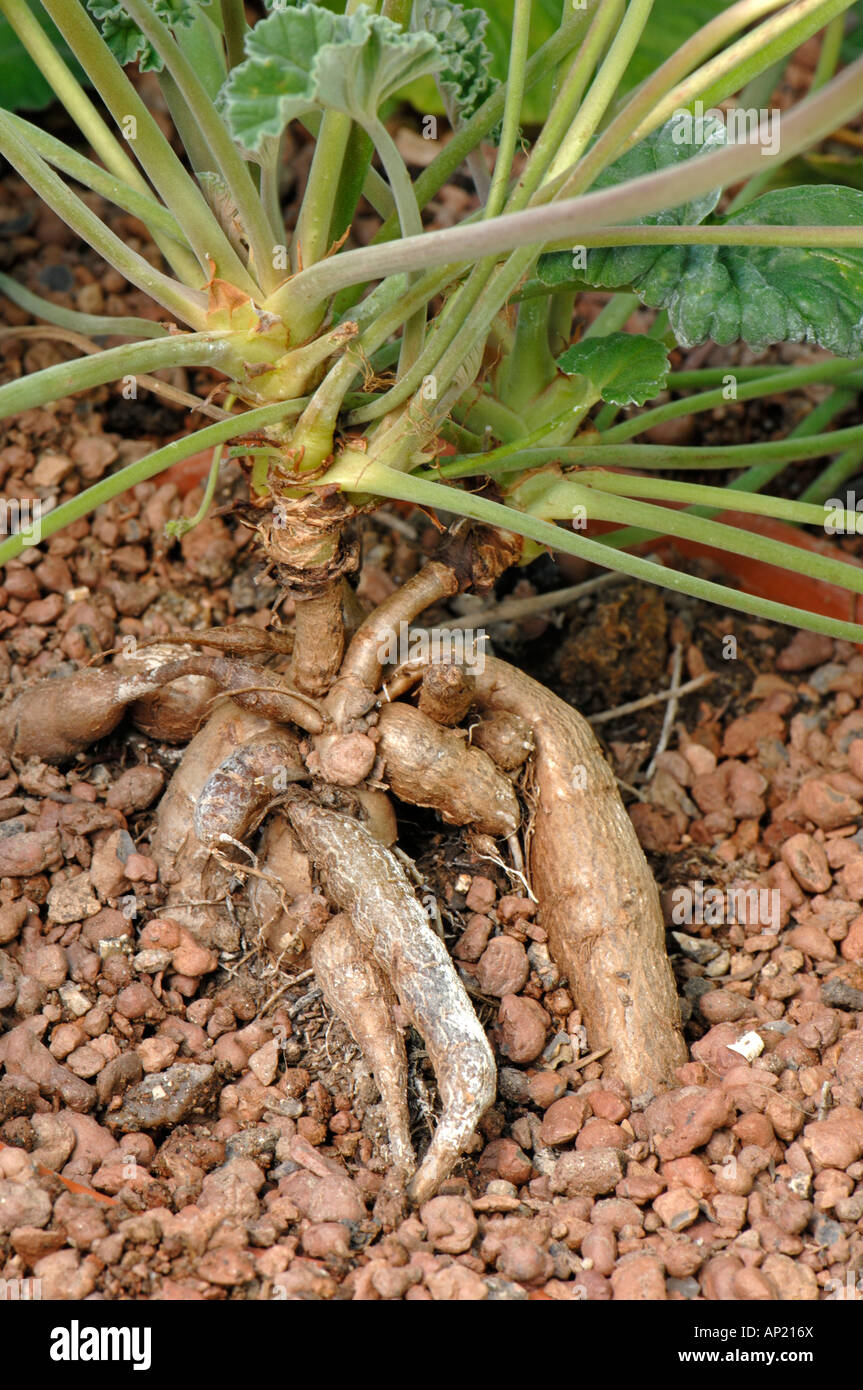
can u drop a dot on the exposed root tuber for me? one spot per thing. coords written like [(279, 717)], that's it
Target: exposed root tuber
[(61, 715), (206, 799), (427, 765), (319, 646), (446, 693), (175, 712), (507, 739), (373, 647), (358, 992), (367, 881), (598, 901), (253, 688)]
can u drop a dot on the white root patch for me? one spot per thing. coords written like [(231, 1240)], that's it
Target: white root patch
[(367, 881)]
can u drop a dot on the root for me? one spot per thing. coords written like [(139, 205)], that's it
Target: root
[(374, 645), (598, 901), (427, 765), (506, 738), (253, 688), (446, 693), (213, 792), (175, 712), (367, 881), (357, 990), (60, 716)]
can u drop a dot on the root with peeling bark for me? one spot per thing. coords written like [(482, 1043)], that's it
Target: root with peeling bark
[(462, 750)]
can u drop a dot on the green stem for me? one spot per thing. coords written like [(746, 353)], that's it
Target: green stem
[(116, 483), (66, 378), (91, 325), (411, 225), (564, 498), (191, 137), (731, 69), (235, 28), (512, 108), (183, 524), (834, 477), (828, 56), (188, 305), (123, 195), (658, 455), (364, 473), (578, 217), (175, 186), (787, 379), (230, 162), (312, 237), (716, 498)]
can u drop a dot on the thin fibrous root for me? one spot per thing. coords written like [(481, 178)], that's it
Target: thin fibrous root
[(214, 792), (367, 881), (428, 765), (357, 990), (598, 900), (375, 644)]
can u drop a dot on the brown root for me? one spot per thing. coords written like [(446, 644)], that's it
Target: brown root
[(374, 646), (175, 712), (206, 799), (598, 901), (427, 765), (358, 992), (254, 688), (506, 738), (446, 693), (367, 881), (60, 716)]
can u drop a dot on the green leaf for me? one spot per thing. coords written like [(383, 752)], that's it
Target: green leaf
[(465, 74), (22, 86), (125, 39), (624, 368), (300, 59), (671, 144), (766, 294)]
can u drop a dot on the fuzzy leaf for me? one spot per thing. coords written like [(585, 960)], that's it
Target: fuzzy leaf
[(765, 294), (624, 368), (304, 58), (464, 76), (622, 265), (125, 39)]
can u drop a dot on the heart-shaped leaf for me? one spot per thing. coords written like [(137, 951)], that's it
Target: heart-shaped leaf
[(624, 368)]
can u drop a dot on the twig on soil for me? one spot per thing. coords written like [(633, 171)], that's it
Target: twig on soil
[(670, 710), (647, 700), (511, 608)]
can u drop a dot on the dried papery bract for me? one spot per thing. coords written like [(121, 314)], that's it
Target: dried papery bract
[(598, 900), (368, 883)]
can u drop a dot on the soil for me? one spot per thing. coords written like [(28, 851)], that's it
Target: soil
[(195, 1126)]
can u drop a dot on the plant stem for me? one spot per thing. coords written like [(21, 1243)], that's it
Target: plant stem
[(66, 378), (361, 472), (577, 217), (731, 69), (716, 498), (175, 186), (230, 162), (512, 108), (116, 483), (187, 304), (787, 379), (91, 325), (829, 483), (411, 225), (651, 456), (235, 28), (828, 56)]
